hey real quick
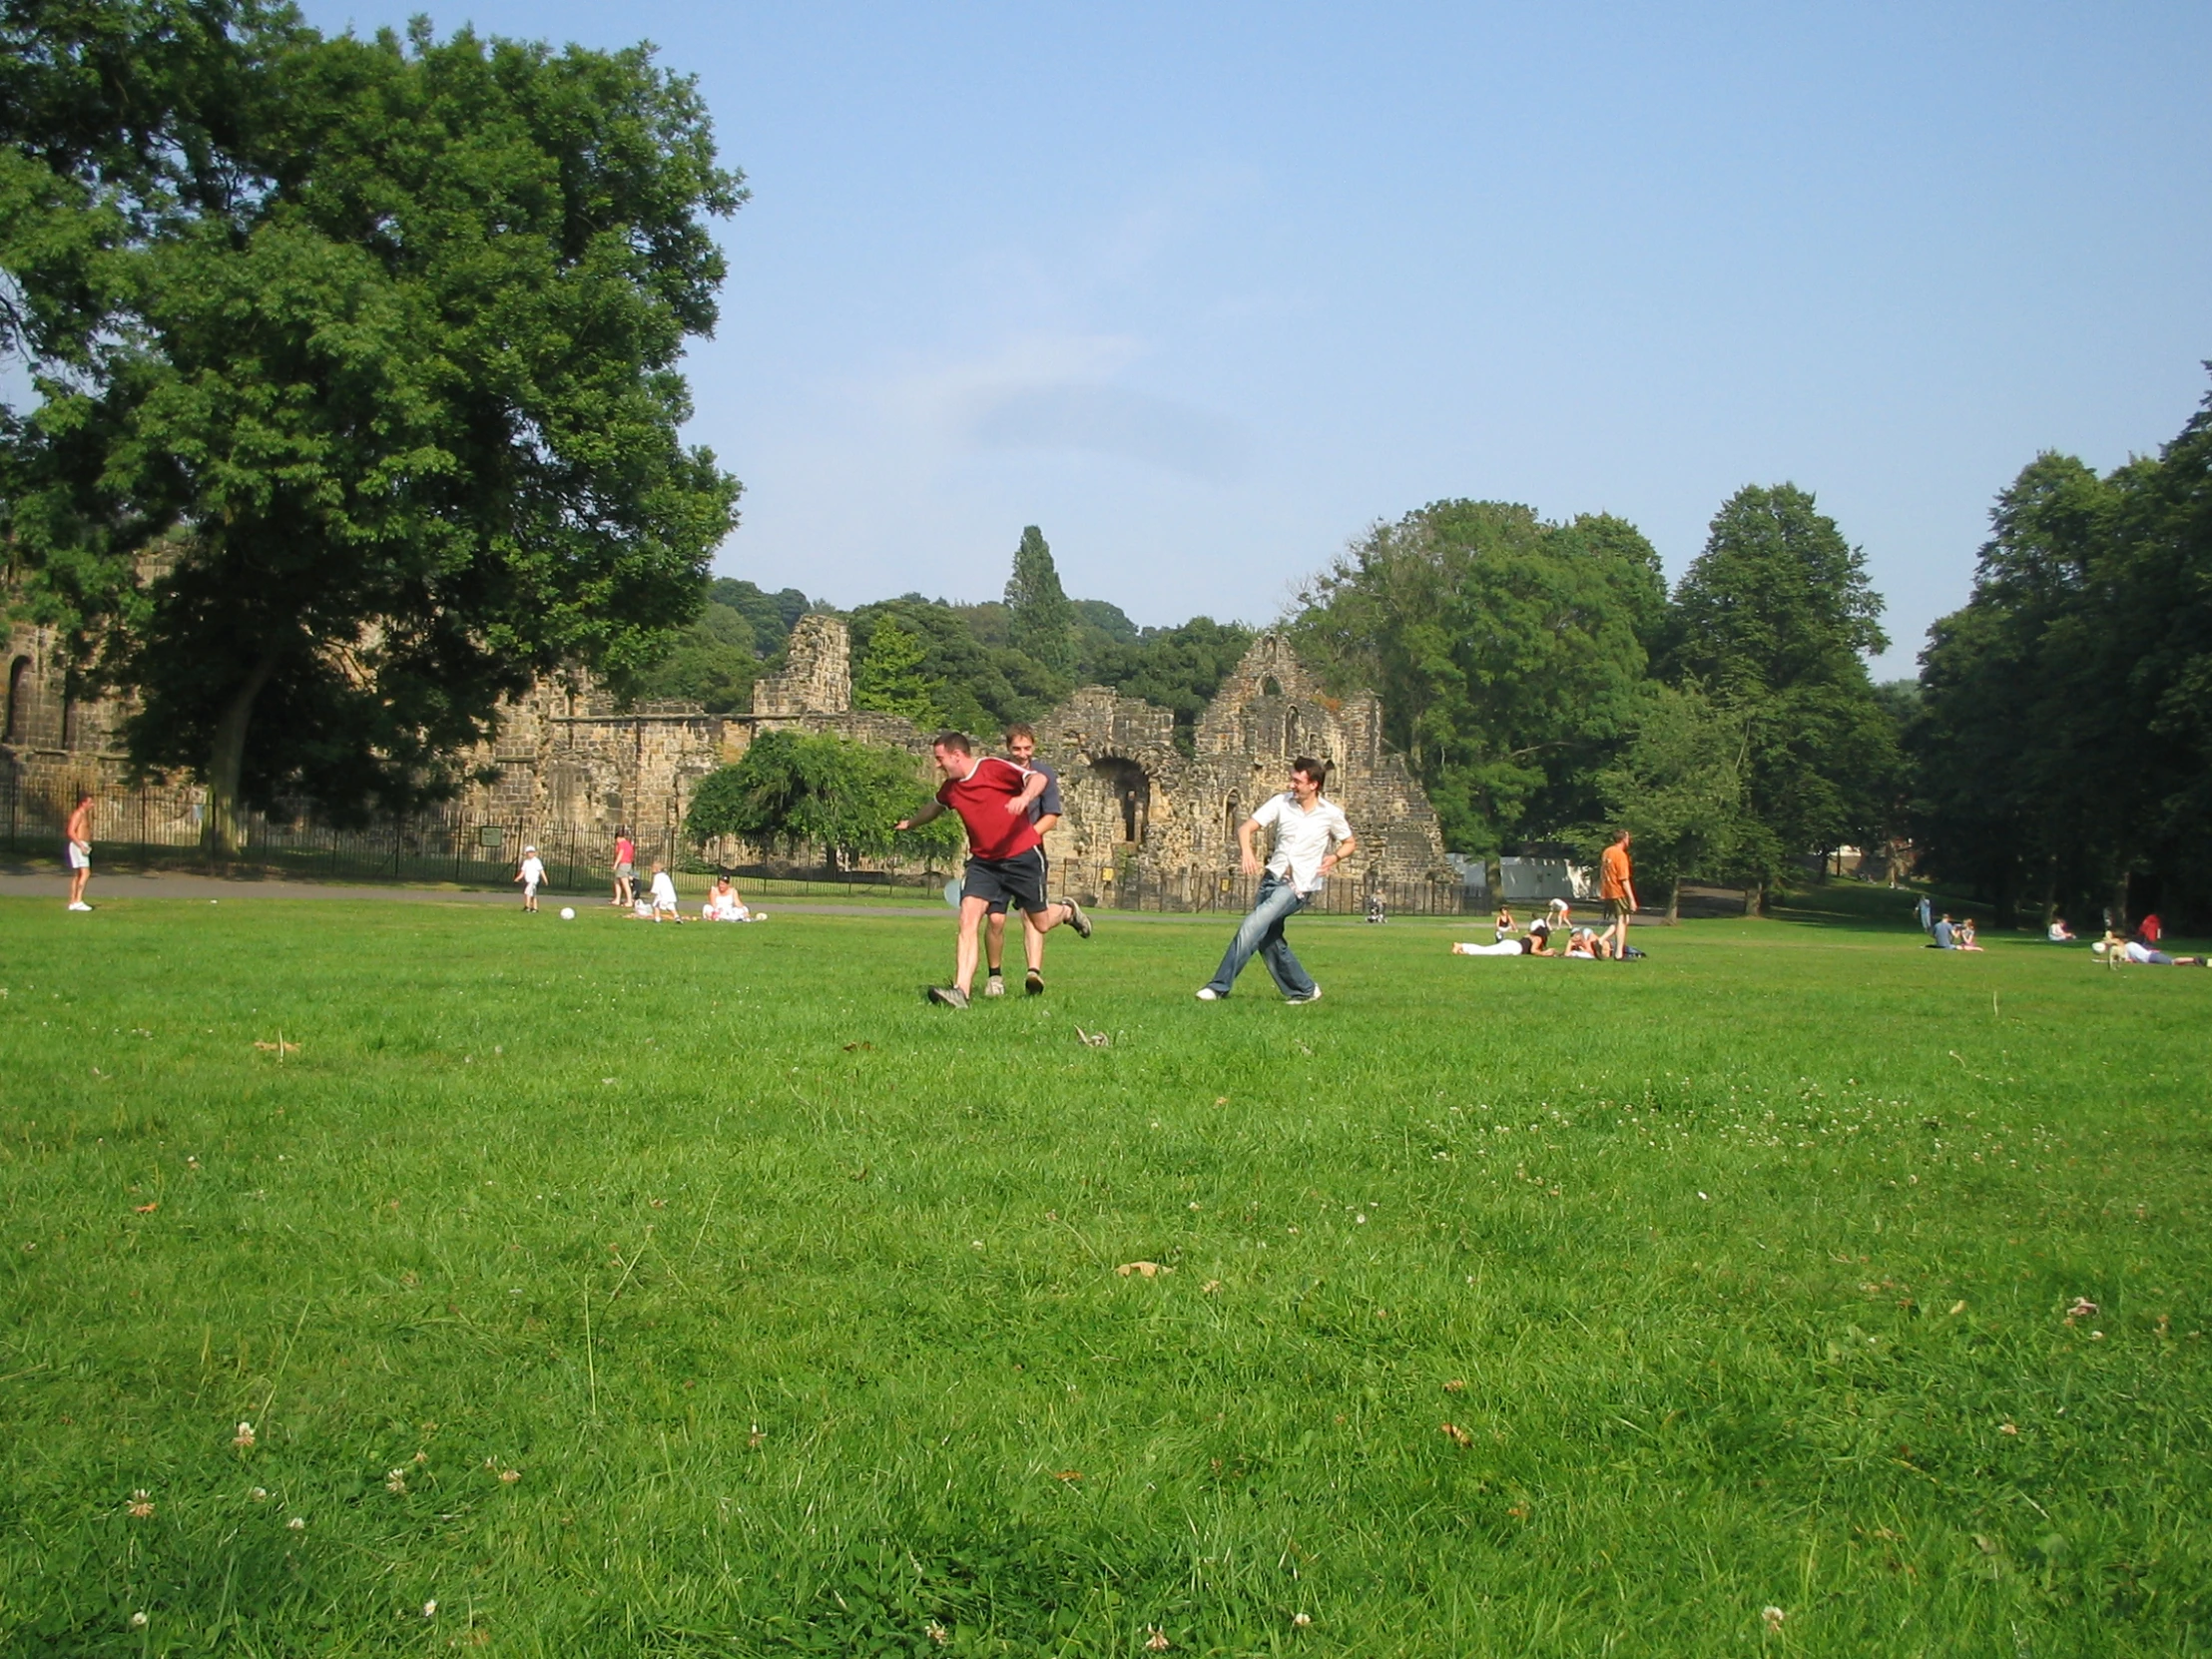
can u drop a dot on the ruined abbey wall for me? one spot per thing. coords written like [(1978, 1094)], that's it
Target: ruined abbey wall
[(1138, 808), (567, 761)]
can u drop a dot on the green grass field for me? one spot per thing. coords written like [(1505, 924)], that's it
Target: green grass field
[(649, 1291)]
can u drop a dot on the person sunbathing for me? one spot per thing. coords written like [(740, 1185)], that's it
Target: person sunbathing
[(2134, 950), (1535, 942)]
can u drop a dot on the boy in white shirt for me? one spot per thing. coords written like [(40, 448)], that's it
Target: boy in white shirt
[(664, 893), (1312, 836), (532, 876)]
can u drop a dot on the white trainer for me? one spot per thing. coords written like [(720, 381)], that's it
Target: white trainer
[(1206, 993)]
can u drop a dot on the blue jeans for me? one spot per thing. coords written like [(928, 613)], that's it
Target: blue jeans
[(1261, 934)]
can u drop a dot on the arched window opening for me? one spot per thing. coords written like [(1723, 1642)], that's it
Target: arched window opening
[(19, 700), (1271, 686), (1130, 789)]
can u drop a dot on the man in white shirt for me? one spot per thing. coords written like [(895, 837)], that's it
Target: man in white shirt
[(531, 875), (1311, 837)]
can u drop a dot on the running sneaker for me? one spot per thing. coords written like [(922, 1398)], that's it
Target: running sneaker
[(80, 905), (1077, 919), (951, 995), (1035, 983), (1206, 993), (1312, 995), (995, 985)]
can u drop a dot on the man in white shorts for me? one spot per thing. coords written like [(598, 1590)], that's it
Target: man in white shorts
[(1311, 837), (532, 876), (664, 893), (78, 853)]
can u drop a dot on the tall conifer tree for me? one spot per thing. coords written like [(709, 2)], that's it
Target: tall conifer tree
[(1040, 620)]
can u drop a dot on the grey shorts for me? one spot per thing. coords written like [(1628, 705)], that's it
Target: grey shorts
[(625, 872), (1007, 883), (1044, 880)]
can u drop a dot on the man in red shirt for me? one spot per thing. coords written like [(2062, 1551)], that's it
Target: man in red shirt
[(1005, 853)]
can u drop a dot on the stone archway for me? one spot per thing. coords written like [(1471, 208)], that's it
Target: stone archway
[(1128, 791)]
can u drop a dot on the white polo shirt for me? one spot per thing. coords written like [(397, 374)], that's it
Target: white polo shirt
[(1301, 837)]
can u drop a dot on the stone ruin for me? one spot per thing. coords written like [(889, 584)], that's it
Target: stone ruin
[(1141, 809), (567, 761)]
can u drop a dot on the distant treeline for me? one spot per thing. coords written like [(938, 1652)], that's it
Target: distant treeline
[(2062, 746), (973, 666)]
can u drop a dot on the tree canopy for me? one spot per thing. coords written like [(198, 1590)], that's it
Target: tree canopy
[(1040, 621), (1776, 618), (1508, 653), (795, 791), (2061, 749), (385, 366)]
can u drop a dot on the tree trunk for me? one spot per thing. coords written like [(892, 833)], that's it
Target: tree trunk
[(1674, 901), (228, 762)]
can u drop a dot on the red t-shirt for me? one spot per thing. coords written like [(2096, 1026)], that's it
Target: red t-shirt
[(980, 799)]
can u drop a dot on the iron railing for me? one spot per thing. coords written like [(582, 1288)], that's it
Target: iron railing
[(157, 827)]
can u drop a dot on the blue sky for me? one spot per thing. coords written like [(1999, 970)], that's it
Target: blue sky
[(1204, 291)]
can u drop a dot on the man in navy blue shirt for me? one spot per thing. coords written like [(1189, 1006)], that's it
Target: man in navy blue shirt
[(1044, 812)]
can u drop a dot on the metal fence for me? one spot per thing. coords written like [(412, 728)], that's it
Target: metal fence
[(163, 827), (1194, 890)]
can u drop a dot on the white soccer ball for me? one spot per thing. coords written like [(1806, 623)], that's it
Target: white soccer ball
[(568, 912)]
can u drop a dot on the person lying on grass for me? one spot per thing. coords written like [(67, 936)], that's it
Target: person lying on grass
[(2135, 950), (1535, 942)]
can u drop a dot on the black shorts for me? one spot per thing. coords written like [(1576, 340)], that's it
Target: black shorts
[(1007, 883)]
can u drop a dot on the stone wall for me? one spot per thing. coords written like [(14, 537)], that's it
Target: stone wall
[(567, 761), (1140, 809), (53, 744)]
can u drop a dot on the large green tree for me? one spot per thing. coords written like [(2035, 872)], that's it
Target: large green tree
[(1776, 619), (1678, 787), (2063, 749), (1507, 651), (1040, 620), (795, 791), (889, 676), (403, 397)]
